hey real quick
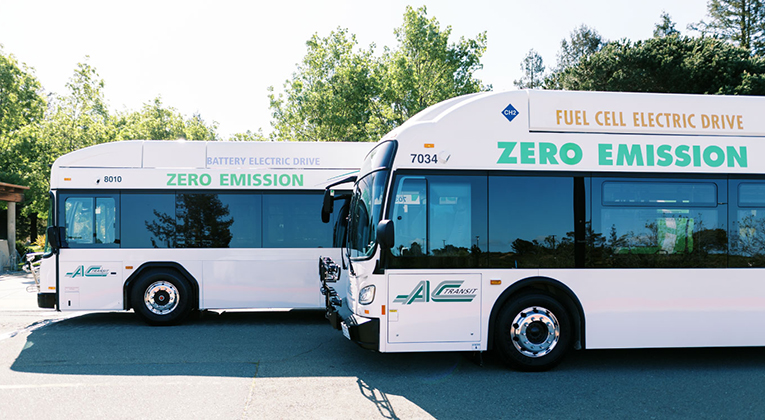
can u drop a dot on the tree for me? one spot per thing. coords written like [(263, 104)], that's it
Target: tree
[(248, 136), (533, 71), (739, 21), (21, 100), (426, 68), (330, 95), (583, 42), (666, 27), (21, 104), (156, 122), (340, 92), (670, 64)]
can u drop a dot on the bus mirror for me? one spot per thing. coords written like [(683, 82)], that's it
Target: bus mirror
[(54, 237), (385, 234), (328, 206)]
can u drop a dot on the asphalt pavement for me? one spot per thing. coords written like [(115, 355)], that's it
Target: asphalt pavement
[(291, 364), (18, 306)]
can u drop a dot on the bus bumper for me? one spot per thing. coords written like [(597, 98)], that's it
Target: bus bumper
[(363, 331), (46, 300)]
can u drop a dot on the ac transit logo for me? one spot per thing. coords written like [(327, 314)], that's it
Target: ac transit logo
[(92, 271), (446, 291)]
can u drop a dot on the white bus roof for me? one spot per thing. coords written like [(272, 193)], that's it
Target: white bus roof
[(151, 164), (213, 155), (594, 131)]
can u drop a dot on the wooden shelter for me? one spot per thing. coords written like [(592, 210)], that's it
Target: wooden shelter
[(11, 194)]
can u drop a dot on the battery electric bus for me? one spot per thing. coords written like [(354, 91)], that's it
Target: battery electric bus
[(168, 227), (535, 222)]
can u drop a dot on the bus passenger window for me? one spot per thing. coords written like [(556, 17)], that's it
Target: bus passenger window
[(656, 223), (747, 232), (79, 220), (439, 220)]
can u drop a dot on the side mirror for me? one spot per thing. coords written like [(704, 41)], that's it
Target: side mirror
[(54, 237), (385, 234), (328, 206)]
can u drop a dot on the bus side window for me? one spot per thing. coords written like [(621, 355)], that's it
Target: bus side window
[(79, 220), (658, 223), (747, 231), (410, 216), (106, 220)]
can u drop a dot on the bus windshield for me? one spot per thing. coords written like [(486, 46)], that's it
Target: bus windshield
[(367, 200), (366, 210)]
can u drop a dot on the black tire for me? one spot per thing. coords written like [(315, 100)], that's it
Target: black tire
[(161, 297), (533, 332)]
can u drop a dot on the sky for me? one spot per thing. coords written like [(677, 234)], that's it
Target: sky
[(218, 58)]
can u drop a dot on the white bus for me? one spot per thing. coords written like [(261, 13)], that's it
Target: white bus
[(166, 228), (534, 222)]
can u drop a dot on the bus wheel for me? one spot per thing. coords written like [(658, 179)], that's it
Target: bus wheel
[(161, 298), (533, 332)]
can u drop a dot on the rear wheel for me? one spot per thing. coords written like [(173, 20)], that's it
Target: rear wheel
[(161, 297), (533, 332)]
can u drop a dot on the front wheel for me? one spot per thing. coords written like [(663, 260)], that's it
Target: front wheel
[(533, 332), (161, 298)]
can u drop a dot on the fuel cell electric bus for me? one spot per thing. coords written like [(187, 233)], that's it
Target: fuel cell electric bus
[(165, 227), (535, 222)]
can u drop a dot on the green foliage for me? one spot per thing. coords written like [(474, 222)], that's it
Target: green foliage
[(329, 96), (249, 136), (342, 93), (32, 138), (666, 27), (583, 42), (21, 100), (533, 71), (157, 122), (426, 68), (21, 105), (671, 64), (739, 21)]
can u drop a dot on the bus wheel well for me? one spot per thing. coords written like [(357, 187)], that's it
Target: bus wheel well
[(150, 267), (551, 288)]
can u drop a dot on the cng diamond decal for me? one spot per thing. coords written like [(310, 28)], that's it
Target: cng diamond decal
[(510, 112)]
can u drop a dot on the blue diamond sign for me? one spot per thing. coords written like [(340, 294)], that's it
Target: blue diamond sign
[(510, 113)]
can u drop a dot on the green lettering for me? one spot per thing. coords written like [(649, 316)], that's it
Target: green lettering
[(527, 153), (683, 158), (604, 155), (735, 157), (719, 156), (508, 147), (171, 181), (696, 155), (224, 180), (205, 179), (267, 180), (282, 180), (182, 179), (193, 179), (632, 155), (664, 154), (570, 160), (649, 155), (297, 180), (547, 152), (256, 181), (241, 179)]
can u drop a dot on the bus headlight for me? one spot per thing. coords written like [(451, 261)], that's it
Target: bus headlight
[(367, 295)]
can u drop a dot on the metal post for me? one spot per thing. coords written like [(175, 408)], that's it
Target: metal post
[(12, 234)]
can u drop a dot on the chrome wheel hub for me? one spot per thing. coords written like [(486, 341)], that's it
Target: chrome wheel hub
[(535, 331), (161, 297)]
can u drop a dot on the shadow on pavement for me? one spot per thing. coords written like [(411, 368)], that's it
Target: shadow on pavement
[(300, 344)]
